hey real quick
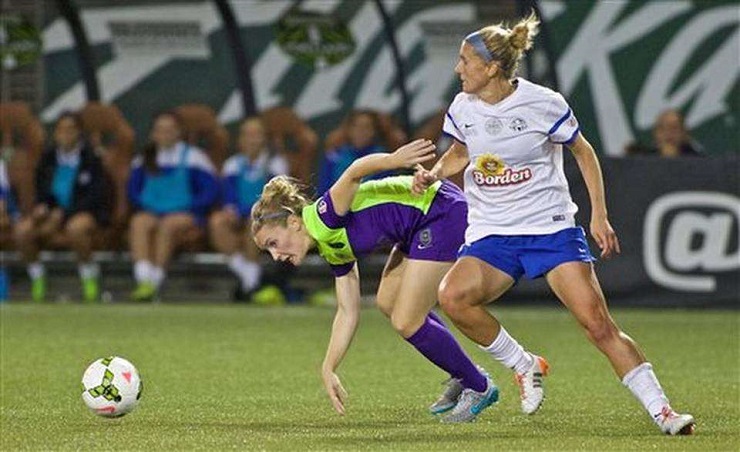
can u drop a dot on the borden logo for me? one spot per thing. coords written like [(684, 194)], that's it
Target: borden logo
[(698, 239), (491, 170)]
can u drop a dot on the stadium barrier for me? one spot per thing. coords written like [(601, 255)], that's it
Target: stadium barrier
[(677, 221), (678, 226)]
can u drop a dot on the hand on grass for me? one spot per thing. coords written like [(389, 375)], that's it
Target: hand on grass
[(335, 390)]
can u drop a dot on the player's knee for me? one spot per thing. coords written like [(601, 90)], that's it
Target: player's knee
[(141, 223), (218, 222), (452, 299), (601, 330), (170, 226), (385, 306), (24, 231), (80, 228), (405, 326)]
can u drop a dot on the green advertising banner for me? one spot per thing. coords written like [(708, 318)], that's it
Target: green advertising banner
[(621, 63), (322, 58)]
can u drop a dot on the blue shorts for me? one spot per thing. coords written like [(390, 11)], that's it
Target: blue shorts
[(530, 255)]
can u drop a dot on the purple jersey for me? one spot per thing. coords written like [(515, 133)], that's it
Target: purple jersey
[(385, 212)]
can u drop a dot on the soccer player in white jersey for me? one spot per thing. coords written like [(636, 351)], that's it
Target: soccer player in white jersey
[(509, 136)]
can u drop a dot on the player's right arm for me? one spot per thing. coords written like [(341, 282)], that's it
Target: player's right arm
[(342, 332), (452, 162), (343, 191)]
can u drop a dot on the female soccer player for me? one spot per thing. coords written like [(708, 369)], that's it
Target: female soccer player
[(172, 188), (509, 135), (244, 176), (71, 200), (352, 219)]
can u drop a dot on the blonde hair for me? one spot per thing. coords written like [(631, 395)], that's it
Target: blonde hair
[(507, 46), (281, 197)]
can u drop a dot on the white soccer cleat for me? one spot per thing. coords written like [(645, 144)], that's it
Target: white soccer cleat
[(672, 423), (531, 390)]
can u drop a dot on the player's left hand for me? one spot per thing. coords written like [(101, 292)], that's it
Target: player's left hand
[(413, 153), (335, 390), (605, 237)]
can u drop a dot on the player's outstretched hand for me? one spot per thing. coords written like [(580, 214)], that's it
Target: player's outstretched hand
[(413, 153), (335, 390), (423, 178), (605, 237)]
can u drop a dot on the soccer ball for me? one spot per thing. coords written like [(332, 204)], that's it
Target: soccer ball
[(111, 387)]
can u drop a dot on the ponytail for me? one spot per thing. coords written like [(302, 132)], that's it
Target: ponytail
[(281, 197)]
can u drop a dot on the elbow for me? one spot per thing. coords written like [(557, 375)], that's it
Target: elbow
[(355, 171)]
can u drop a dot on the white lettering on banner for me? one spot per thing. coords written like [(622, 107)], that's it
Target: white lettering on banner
[(714, 229), (708, 88), (321, 93), (428, 81), (124, 72), (705, 92), (588, 54)]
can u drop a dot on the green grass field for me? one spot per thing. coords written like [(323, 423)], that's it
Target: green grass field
[(234, 377)]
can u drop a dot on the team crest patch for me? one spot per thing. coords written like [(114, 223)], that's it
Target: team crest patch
[(518, 125), (494, 126), (322, 207), (425, 239)]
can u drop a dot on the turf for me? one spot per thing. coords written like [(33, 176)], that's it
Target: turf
[(231, 377)]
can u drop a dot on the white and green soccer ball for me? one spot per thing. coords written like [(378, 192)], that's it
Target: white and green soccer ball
[(111, 387)]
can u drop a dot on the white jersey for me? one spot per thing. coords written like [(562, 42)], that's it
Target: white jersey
[(514, 183)]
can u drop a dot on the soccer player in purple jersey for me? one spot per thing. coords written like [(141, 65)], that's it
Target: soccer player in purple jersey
[(352, 219)]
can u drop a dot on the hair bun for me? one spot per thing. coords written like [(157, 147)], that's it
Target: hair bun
[(522, 35), (519, 38)]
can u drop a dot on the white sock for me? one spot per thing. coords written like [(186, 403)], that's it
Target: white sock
[(89, 270), (506, 350), (36, 270), (156, 276), (248, 272), (142, 271), (645, 387)]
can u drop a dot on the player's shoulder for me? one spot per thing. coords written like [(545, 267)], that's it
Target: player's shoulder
[(463, 99), (535, 90), (198, 159), (462, 103), (232, 165), (539, 97)]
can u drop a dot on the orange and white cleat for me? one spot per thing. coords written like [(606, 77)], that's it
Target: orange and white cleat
[(672, 423), (531, 390)]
